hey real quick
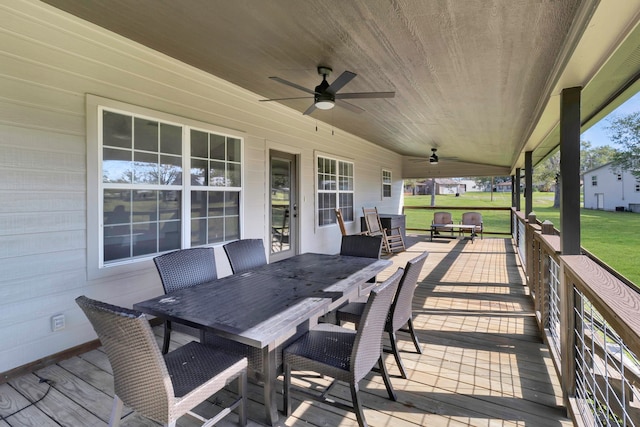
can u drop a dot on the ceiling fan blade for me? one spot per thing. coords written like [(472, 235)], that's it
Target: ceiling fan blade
[(283, 99), (349, 106), (288, 83), (339, 83), (365, 95), (310, 110)]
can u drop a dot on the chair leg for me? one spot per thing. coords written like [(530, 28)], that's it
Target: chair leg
[(357, 406), (116, 412), (386, 379), (396, 354), (286, 392), (167, 337), (242, 392), (414, 337)]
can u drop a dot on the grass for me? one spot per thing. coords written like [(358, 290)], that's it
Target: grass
[(611, 236)]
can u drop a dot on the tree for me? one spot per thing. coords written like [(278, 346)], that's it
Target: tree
[(625, 132)]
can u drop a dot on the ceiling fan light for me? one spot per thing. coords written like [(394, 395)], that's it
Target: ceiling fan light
[(325, 104), (433, 159)]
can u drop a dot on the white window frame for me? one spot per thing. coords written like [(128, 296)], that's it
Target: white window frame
[(387, 183), (348, 215), (96, 267), (594, 180)]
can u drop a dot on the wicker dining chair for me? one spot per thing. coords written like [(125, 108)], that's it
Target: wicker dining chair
[(342, 353), (182, 269), (363, 246), (245, 254), (162, 388), (400, 313)]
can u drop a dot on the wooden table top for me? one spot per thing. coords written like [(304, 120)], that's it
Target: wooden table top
[(256, 306)]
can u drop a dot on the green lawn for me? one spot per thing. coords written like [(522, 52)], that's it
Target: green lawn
[(610, 236)]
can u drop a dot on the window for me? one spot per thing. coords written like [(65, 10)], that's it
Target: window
[(335, 190), (386, 183), (165, 184), (619, 177), (637, 186), (594, 181)]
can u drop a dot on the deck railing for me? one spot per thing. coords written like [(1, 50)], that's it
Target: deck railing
[(589, 316)]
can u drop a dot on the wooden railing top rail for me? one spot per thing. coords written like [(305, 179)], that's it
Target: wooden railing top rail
[(617, 302), (551, 241), (459, 208)]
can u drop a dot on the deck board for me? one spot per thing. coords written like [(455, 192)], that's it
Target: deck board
[(483, 360)]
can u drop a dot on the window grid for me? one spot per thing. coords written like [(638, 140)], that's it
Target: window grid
[(335, 190), (594, 181), (142, 184), (386, 183)]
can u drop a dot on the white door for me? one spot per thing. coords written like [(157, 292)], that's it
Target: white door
[(283, 205)]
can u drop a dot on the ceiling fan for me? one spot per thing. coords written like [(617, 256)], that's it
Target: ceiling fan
[(433, 159), (326, 95)]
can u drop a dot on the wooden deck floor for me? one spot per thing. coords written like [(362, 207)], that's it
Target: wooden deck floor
[(483, 362)]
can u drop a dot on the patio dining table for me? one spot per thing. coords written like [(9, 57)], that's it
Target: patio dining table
[(268, 307)]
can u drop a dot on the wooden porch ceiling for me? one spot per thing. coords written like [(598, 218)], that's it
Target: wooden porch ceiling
[(478, 80)]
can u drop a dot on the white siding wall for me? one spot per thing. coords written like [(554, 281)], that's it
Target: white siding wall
[(49, 61), (615, 193)]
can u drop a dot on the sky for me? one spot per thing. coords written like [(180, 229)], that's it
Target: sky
[(598, 135)]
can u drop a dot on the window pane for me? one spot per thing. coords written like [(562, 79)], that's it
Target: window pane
[(116, 166), (145, 238), (216, 230), (170, 170), (216, 203), (199, 172), (144, 206), (217, 147), (116, 130), (199, 144), (145, 168), (216, 174), (231, 228), (233, 175), (117, 242), (170, 139), (145, 135), (169, 205), (198, 204), (232, 203), (169, 237), (233, 150), (198, 232)]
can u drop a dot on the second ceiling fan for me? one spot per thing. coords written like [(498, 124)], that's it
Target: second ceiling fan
[(326, 95)]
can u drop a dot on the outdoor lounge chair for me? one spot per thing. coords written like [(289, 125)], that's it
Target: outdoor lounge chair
[(342, 353), (392, 240), (182, 269), (473, 218), (162, 388), (400, 313), (440, 219)]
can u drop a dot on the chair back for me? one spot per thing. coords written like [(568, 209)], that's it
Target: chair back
[(361, 245), (140, 375), (442, 218), (340, 221), (368, 341), (186, 267), (472, 218), (402, 307), (371, 218), (245, 254)]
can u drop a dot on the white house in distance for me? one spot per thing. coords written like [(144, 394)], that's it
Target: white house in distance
[(609, 188)]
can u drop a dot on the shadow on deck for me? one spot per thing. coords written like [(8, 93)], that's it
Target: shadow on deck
[(483, 360)]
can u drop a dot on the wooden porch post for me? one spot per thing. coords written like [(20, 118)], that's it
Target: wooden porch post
[(570, 171), (570, 235), (528, 182), (517, 188)]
